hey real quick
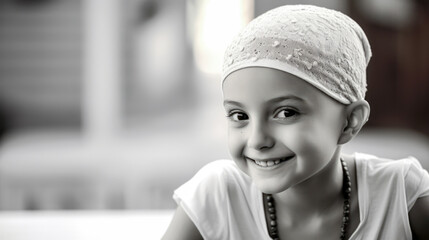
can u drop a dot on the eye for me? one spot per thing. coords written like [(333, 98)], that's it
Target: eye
[(286, 113), (238, 116)]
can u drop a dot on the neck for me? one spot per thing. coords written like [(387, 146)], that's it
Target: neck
[(316, 195)]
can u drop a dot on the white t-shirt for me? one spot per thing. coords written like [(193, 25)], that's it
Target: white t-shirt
[(224, 204)]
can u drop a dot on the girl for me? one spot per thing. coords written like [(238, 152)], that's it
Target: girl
[(294, 86)]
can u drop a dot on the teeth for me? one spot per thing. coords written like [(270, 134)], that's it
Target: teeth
[(268, 163), (261, 163)]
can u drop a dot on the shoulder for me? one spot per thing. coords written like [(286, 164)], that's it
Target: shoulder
[(223, 175), (378, 166), (210, 194), (210, 174), (386, 175), (215, 177), (219, 170), (220, 166)]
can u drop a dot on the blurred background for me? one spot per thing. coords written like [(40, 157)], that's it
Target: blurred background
[(112, 104)]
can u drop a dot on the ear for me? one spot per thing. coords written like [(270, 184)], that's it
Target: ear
[(357, 114)]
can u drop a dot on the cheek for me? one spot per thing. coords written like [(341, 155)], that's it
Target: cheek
[(236, 145), (236, 142), (309, 139), (321, 140)]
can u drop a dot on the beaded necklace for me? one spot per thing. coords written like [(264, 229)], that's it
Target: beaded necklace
[(270, 210)]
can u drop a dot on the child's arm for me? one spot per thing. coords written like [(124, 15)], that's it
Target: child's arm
[(419, 218), (181, 227)]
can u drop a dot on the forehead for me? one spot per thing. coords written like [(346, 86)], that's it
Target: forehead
[(263, 84)]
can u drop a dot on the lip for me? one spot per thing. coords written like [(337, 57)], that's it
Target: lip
[(282, 161)]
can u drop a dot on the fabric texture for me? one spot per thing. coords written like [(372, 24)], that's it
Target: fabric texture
[(224, 204), (321, 46)]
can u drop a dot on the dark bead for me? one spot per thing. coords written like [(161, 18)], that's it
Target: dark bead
[(269, 198), (273, 223), (271, 210), (272, 216), (346, 195), (270, 204), (273, 230)]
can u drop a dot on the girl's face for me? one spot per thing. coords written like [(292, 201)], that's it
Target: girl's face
[(281, 130)]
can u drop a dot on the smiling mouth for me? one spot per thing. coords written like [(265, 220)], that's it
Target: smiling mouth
[(271, 162)]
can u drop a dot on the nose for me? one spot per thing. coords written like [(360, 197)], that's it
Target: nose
[(260, 137)]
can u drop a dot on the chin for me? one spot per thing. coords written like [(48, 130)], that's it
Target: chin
[(271, 188)]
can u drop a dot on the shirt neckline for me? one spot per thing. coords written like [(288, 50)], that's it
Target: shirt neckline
[(360, 169), (362, 196)]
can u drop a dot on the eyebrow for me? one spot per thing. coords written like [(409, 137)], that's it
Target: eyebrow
[(230, 102), (284, 98), (271, 101)]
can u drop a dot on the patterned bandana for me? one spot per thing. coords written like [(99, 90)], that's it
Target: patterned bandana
[(321, 46)]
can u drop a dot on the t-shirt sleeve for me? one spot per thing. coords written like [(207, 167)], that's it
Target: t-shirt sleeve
[(203, 199), (416, 182)]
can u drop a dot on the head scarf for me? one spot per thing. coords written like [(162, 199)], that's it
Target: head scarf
[(323, 47)]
